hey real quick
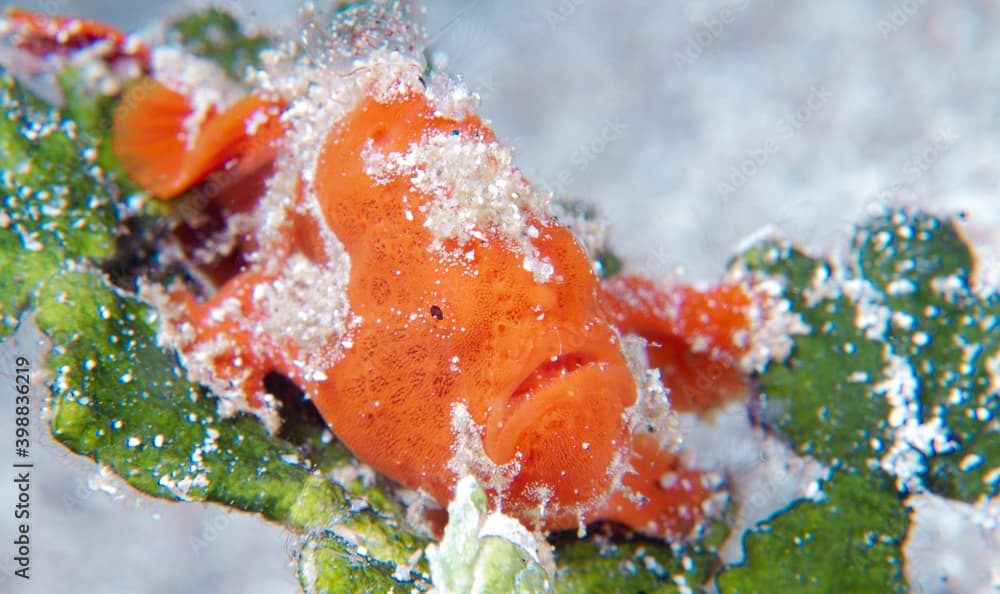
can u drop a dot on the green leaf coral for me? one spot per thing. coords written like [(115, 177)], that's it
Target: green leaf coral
[(895, 388), (58, 203), (218, 36), (907, 347), (118, 399)]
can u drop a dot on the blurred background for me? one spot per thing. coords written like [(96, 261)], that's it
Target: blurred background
[(691, 125)]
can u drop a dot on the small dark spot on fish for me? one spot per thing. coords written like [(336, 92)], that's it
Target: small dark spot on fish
[(437, 313), (455, 133)]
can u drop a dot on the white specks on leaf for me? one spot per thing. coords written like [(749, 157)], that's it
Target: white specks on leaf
[(952, 288), (858, 377), (772, 323), (912, 439), (902, 320), (871, 316), (970, 462), (29, 240), (901, 286), (182, 488), (993, 372)]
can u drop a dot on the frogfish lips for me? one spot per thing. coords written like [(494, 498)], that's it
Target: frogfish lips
[(563, 421)]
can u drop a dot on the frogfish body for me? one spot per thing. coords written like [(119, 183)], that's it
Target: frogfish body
[(370, 239)]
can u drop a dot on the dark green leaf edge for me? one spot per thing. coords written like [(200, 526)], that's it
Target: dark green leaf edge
[(893, 306)]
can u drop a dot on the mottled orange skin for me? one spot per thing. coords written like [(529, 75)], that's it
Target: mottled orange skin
[(538, 365), (504, 329)]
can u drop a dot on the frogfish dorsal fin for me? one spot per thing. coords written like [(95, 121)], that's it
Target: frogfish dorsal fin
[(167, 146)]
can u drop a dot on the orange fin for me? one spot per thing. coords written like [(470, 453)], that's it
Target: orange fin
[(660, 496), (149, 138), (716, 320), (43, 34), (697, 337)]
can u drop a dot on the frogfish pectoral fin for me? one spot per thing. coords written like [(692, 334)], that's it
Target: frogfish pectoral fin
[(696, 337), (659, 497)]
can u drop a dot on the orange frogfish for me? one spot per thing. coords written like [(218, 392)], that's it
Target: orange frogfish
[(360, 230)]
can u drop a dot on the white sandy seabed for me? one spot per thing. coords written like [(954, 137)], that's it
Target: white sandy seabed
[(691, 125)]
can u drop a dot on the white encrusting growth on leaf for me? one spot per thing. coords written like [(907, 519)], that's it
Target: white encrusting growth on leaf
[(913, 439), (871, 315), (993, 372), (181, 487), (952, 287), (772, 324)]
